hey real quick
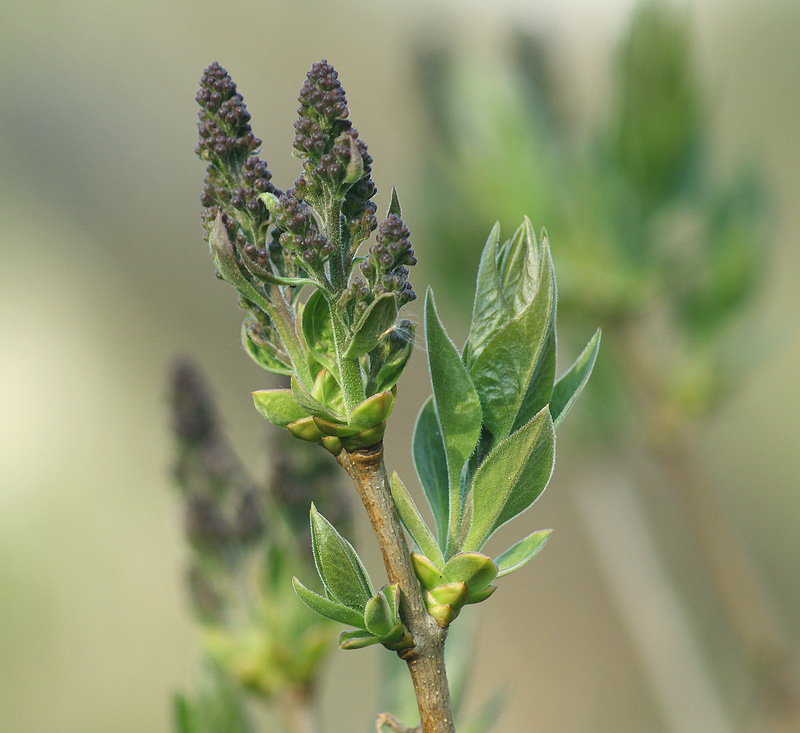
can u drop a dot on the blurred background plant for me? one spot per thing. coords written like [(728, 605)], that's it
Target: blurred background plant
[(652, 238), (247, 540), (99, 205)]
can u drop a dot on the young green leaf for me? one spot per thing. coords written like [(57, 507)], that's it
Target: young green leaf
[(278, 406), (413, 521), (318, 330), (520, 553), (388, 359), (458, 408), (431, 464), (372, 411), (311, 405), (513, 476), (377, 319), (339, 567), (514, 373), (473, 568), (378, 616), (328, 608), (490, 312), (567, 389), (260, 352), (429, 575), (224, 258), (394, 204), (357, 639)]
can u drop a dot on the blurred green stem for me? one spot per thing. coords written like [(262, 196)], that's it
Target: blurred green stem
[(298, 713), (426, 659), (764, 643)]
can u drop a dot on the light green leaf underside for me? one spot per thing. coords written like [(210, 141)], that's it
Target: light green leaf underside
[(278, 406), (520, 553), (431, 464), (327, 608), (568, 388)]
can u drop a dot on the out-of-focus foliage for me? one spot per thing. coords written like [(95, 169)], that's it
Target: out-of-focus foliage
[(217, 706), (247, 540), (649, 234)]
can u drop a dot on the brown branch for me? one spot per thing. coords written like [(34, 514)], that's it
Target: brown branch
[(426, 659)]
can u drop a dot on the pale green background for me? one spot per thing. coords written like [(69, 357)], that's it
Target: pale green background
[(105, 278)]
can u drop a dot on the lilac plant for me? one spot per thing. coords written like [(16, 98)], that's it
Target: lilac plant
[(327, 315)]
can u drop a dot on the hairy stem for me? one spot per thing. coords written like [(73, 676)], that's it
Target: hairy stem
[(349, 369), (426, 659)]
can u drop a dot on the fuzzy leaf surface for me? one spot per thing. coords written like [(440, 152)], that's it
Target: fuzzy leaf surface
[(413, 521), (377, 319), (520, 553), (318, 330), (338, 565), (567, 389), (513, 476), (457, 406), (490, 311), (514, 373), (326, 607), (278, 406), (357, 639)]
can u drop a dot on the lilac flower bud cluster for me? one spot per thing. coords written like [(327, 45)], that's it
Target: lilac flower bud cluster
[(385, 268), (223, 509), (235, 175), (334, 157), (300, 236)]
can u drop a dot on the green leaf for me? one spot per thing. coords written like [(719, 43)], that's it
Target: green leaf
[(378, 616), (429, 575), (224, 258), (481, 595), (391, 592), (388, 359), (327, 608), (514, 373), (567, 389), (511, 478), (413, 521), (490, 312), (318, 331), (357, 639), (520, 553), (453, 594), (278, 406), (372, 411), (473, 568), (458, 409), (519, 267), (312, 406), (261, 352), (377, 319), (394, 204), (338, 565), (431, 464)]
